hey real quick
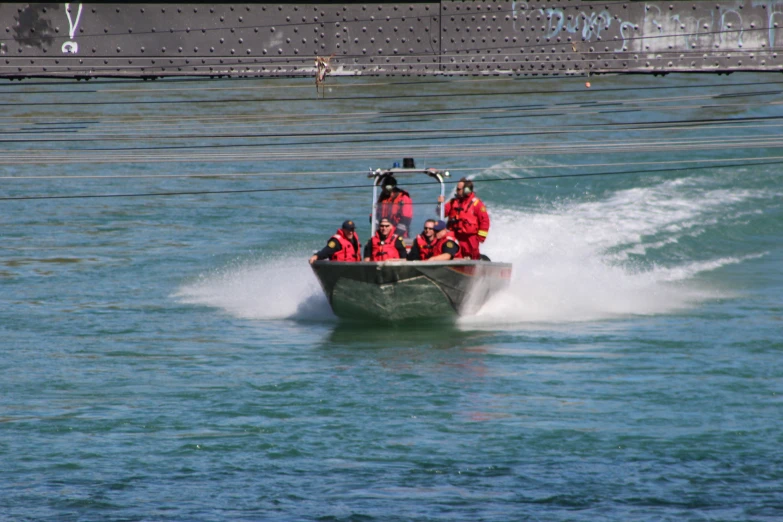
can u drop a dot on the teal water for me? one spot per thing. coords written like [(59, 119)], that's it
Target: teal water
[(171, 357)]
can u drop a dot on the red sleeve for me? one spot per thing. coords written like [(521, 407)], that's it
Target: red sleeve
[(483, 221), (407, 207)]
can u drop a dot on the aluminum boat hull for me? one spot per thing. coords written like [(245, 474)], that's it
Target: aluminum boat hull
[(397, 290)]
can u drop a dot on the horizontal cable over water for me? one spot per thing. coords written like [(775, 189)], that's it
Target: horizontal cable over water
[(717, 163), (365, 186), (29, 157)]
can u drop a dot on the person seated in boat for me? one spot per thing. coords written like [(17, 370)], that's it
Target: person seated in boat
[(343, 246), (396, 205), (421, 250), (446, 247), (385, 244), (468, 218)]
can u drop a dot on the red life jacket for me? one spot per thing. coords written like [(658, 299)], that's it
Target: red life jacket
[(425, 249), (347, 252), (462, 216), (397, 206), (384, 249), (437, 248)]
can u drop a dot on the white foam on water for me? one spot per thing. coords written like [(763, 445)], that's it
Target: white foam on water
[(278, 288), (685, 272), (571, 260)]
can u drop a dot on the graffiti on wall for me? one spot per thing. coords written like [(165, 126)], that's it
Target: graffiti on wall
[(661, 29), (71, 47)]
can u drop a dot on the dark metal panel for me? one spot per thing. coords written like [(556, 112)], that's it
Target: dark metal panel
[(252, 39), (552, 37)]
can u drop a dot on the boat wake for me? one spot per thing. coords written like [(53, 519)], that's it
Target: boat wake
[(622, 256)]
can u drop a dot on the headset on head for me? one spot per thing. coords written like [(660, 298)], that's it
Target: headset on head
[(389, 184), (467, 186)]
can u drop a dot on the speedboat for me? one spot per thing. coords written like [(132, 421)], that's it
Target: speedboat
[(399, 289)]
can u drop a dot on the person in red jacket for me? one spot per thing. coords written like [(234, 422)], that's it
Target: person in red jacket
[(395, 204), (468, 218), (446, 247), (343, 246), (385, 244), (421, 250)]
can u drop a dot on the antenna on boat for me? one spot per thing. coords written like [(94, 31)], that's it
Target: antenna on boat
[(376, 175)]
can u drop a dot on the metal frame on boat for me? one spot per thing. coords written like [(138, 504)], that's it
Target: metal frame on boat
[(400, 289), (379, 175)]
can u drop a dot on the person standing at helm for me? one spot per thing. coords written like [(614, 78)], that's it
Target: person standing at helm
[(468, 218), (396, 205), (343, 246), (421, 250), (446, 247), (385, 244)]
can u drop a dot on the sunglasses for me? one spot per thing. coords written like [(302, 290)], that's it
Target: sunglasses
[(428, 228), (384, 226)]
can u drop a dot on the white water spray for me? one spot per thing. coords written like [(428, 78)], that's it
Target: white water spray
[(280, 288), (572, 262)]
